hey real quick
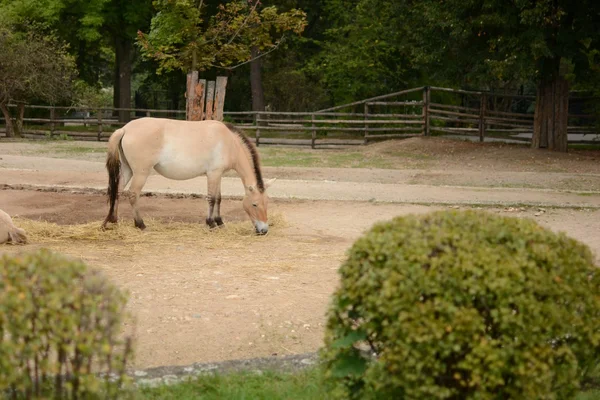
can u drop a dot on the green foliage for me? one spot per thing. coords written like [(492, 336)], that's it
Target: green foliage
[(364, 53), (270, 385), (34, 67), (59, 328), (495, 43), (463, 305), (181, 39)]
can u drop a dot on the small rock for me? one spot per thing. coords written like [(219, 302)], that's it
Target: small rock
[(307, 361), (232, 296), (537, 214), (150, 382), (140, 373), (170, 379)]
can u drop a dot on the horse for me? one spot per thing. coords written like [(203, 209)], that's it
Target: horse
[(182, 150), (9, 233)]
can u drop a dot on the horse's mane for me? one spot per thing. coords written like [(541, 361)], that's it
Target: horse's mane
[(253, 155)]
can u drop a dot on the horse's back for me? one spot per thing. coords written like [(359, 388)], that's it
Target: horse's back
[(177, 149)]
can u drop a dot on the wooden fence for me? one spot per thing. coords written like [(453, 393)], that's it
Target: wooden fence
[(413, 112)]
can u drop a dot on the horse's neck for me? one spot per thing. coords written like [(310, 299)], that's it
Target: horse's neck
[(243, 165)]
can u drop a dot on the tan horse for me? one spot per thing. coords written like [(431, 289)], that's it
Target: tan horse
[(9, 233), (184, 150)]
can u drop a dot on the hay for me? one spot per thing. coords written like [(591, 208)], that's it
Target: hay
[(158, 231)]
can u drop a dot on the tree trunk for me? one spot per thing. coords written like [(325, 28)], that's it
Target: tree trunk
[(123, 52), (8, 120), (258, 98), (551, 114), (116, 90), (18, 127)]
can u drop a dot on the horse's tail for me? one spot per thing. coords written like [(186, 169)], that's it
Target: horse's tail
[(113, 166)]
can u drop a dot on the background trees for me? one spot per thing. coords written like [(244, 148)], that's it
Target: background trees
[(335, 51), (32, 68)]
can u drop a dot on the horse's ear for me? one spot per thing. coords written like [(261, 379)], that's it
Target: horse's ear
[(269, 183)]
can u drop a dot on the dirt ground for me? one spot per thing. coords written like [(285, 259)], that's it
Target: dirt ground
[(196, 302), (253, 298)]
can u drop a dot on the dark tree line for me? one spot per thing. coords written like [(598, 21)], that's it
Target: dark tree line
[(312, 54)]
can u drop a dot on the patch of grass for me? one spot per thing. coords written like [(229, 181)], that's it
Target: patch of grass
[(307, 384), (244, 385), (288, 157), (76, 149)]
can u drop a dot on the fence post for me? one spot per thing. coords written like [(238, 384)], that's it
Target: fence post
[(99, 124), (482, 109), (314, 131), (148, 113), (426, 100), (366, 112), (256, 116), (52, 117)]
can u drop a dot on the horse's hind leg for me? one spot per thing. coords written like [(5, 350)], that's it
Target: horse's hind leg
[(213, 218), (126, 175), (138, 182)]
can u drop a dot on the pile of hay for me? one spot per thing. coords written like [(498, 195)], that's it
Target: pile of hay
[(158, 231)]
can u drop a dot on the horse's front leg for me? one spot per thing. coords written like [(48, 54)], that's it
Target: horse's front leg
[(213, 218)]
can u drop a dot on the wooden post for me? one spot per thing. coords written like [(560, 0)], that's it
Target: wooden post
[(52, 117), (482, 110), (99, 124), (426, 99), (210, 96), (148, 113), (314, 132), (366, 112), (200, 92), (256, 117), (190, 95), (220, 98)]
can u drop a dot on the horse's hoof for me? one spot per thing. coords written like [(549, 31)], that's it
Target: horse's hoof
[(211, 223), (140, 225), (219, 221)]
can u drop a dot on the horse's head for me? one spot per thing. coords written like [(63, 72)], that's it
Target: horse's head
[(255, 204)]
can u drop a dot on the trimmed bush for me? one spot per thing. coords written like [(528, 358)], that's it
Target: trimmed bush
[(463, 305), (59, 328)]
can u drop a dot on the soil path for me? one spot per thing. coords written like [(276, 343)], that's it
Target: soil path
[(51, 172), (252, 298)]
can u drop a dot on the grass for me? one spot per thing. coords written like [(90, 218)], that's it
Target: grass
[(305, 384), (286, 157)]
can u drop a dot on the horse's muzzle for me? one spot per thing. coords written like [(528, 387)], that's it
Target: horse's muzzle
[(261, 228)]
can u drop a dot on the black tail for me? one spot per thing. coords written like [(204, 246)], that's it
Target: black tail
[(113, 166)]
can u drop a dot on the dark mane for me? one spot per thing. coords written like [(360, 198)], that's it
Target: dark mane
[(253, 153)]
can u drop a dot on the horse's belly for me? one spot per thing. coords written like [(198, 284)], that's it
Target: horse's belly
[(181, 170)]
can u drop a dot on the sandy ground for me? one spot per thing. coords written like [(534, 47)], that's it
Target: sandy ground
[(268, 295), (258, 298)]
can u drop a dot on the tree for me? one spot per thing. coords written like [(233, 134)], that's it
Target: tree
[(121, 21), (546, 41), (76, 22), (364, 52), (182, 38), (33, 67)]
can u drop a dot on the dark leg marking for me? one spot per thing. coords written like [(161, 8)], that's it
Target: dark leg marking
[(210, 222), (211, 206), (218, 218), (139, 223)]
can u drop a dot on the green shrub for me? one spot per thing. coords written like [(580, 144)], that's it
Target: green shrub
[(59, 327), (463, 305)]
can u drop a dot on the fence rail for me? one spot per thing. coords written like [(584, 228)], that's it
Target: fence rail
[(403, 114)]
